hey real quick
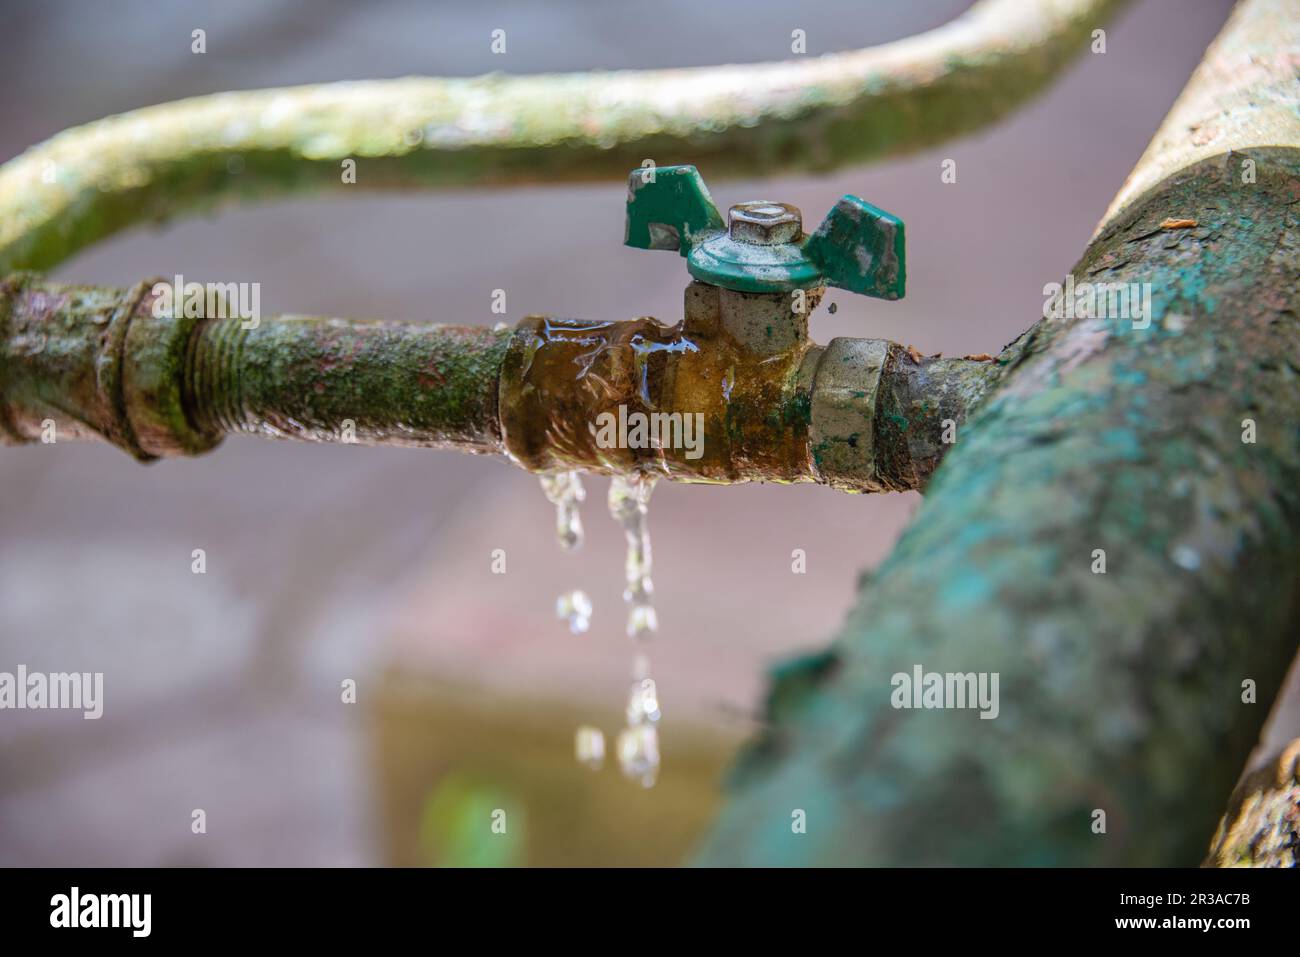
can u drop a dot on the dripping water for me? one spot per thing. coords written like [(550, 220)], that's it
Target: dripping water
[(628, 502), (564, 490), (589, 747), (574, 608), (638, 742)]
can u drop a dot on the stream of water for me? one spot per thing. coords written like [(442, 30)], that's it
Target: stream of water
[(628, 502)]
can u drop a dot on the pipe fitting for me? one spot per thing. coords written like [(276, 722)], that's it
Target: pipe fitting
[(714, 399), (84, 362)]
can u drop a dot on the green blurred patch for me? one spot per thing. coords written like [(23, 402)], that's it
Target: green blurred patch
[(469, 823)]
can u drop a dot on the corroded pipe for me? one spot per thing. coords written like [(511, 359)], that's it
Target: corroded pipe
[(1263, 816), (1168, 450), (330, 380), (88, 362), (859, 414), (862, 415), (811, 112)]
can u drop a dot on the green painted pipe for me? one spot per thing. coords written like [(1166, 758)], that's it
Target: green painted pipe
[(1115, 535)]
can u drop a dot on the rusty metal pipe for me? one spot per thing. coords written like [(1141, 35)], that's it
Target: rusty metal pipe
[(332, 380), (861, 415), (858, 414), (88, 362)]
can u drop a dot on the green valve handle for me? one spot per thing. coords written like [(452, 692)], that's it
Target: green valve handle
[(762, 247)]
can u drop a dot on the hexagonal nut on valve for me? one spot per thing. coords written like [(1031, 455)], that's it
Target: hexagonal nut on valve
[(762, 223)]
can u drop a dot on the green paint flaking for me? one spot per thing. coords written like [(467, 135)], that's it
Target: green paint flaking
[(1119, 690)]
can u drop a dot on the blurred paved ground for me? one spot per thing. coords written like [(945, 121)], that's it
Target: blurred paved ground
[(334, 562)]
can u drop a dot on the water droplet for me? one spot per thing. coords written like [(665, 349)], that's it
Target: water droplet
[(643, 703), (564, 490), (589, 747), (629, 503), (642, 622), (638, 753), (574, 608)]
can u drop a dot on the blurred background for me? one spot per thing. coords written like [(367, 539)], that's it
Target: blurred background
[(328, 563)]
